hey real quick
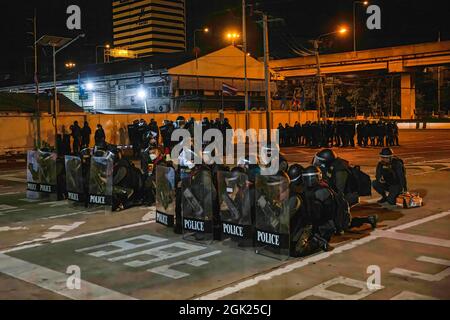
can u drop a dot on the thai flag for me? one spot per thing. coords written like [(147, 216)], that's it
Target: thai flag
[(228, 90)]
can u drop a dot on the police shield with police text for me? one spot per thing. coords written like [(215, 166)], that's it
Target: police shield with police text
[(235, 205), (74, 179), (272, 216), (165, 195), (101, 180), (198, 198)]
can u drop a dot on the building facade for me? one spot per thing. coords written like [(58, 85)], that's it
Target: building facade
[(149, 27)]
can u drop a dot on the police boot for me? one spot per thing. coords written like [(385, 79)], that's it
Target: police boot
[(321, 243), (373, 220)]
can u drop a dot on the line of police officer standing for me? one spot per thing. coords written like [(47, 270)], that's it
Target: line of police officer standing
[(339, 134)]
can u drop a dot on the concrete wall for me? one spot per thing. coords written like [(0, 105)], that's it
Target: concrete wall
[(17, 131)]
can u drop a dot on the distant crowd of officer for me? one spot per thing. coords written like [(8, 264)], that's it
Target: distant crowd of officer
[(339, 134), (79, 138)]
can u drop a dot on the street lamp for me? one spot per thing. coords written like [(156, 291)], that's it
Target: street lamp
[(204, 30), (61, 43), (107, 46), (70, 65), (364, 3), (142, 94), (320, 90), (233, 36)]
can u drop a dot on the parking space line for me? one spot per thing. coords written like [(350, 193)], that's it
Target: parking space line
[(215, 295), (414, 238), (55, 281)]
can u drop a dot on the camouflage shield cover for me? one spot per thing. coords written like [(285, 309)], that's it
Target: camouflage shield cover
[(197, 203), (235, 205), (101, 181), (165, 196), (272, 216), (74, 179)]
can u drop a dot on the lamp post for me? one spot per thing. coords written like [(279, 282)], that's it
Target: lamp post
[(320, 90), (107, 46), (244, 46), (204, 30), (365, 3), (58, 44)]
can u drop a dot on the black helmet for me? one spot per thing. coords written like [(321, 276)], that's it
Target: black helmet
[(283, 174), (283, 164), (312, 176), (239, 170), (386, 153), (324, 157), (295, 173)]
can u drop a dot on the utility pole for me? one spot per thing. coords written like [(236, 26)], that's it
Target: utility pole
[(320, 90), (439, 83), (37, 113), (267, 75), (36, 81), (244, 36)]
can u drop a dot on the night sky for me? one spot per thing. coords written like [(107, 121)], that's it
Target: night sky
[(403, 22)]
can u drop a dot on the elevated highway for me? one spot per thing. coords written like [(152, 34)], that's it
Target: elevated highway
[(405, 60)]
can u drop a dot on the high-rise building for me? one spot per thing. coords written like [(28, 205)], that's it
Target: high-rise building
[(149, 26)]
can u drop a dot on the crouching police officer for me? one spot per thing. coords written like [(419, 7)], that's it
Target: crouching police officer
[(390, 177), (327, 211), (336, 172), (127, 183)]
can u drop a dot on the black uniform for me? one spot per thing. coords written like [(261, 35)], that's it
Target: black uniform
[(390, 180)]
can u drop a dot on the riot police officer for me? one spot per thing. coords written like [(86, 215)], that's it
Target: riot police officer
[(127, 182), (319, 208), (390, 177), (336, 172)]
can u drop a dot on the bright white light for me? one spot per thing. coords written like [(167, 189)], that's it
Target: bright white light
[(89, 86), (142, 94)]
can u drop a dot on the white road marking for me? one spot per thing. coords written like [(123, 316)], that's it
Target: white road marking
[(23, 247), (55, 281), (12, 178), (311, 259), (322, 291), (10, 193), (198, 261), (151, 215), (408, 295), (55, 232), (414, 238), (30, 200), (4, 229), (12, 211), (65, 215), (122, 245), (420, 221), (4, 207), (425, 276)]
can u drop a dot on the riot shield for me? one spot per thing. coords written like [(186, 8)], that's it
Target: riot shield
[(165, 196), (272, 216), (101, 182), (32, 175), (47, 172), (197, 206), (74, 179), (235, 207)]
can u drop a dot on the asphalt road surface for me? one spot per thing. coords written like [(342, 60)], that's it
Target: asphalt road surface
[(126, 255)]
